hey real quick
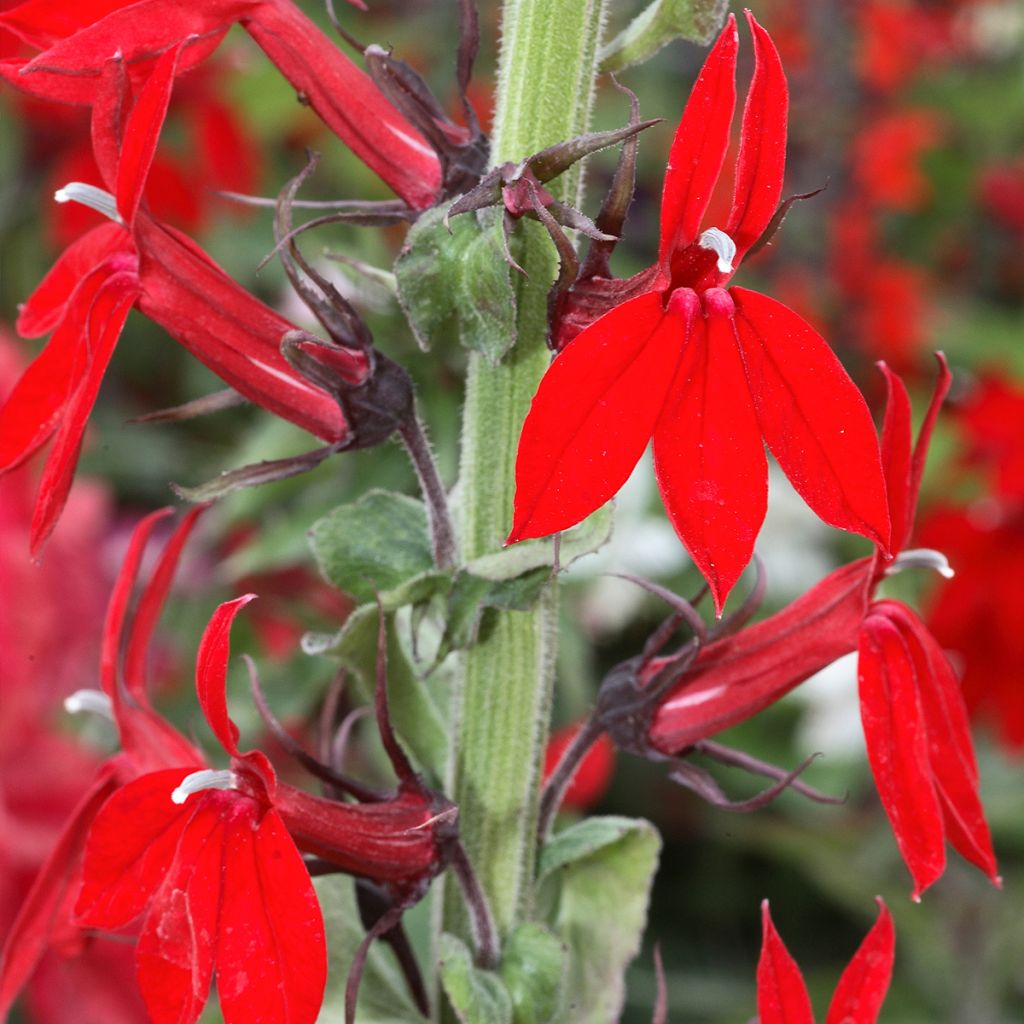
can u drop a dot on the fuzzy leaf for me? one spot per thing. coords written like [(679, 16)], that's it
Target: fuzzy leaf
[(477, 996), (374, 544), (591, 874), (458, 281), (658, 24), (533, 968)]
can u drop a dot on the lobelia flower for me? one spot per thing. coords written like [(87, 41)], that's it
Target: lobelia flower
[(782, 995), (710, 373), (136, 261), (915, 724), (76, 45)]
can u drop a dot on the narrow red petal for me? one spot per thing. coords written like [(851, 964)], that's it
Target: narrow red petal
[(110, 110), (42, 23), (814, 419), (130, 849), (150, 606), (142, 132), (45, 307), (761, 164), (271, 955), (212, 672), (177, 949), (949, 740), (594, 412), (897, 746), (897, 437), (709, 456), (861, 990), (348, 101), (226, 328), (781, 993), (738, 676), (698, 149), (924, 435), (106, 318), (30, 931)]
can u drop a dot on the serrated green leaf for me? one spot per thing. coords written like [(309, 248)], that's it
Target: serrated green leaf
[(658, 24), (477, 996), (374, 544), (383, 995), (454, 279), (515, 560), (417, 718), (533, 966), (594, 873)]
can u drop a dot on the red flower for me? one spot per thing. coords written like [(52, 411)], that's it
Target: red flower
[(592, 776), (708, 372), (77, 44), (915, 725), (782, 995), (86, 296)]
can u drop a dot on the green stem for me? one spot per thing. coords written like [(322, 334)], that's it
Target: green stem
[(545, 83)]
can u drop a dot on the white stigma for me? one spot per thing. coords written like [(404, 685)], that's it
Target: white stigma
[(91, 196), (208, 778), (921, 558), (89, 700), (720, 244)]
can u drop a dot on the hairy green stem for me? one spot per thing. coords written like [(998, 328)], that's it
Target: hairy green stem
[(545, 83)]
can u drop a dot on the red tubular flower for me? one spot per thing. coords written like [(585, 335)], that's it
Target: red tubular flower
[(915, 724), (782, 995), (86, 296), (711, 374), (76, 46), (594, 773)]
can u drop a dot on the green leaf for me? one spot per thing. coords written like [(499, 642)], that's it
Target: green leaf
[(595, 880), (383, 995), (658, 24), (590, 535), (477, 996), (533, 966), (416, 716), (455, 279), (374, 544)]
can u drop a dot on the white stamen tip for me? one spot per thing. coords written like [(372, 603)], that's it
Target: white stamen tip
[(208, 778), (721, 244), (921, 558), (91, 196), (89, 700)]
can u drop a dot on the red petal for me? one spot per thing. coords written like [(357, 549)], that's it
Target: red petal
[(150, 605), (814, 419), (698, 149), (29, 933), (762, 159), (781, 993), (42, 23), (709, 456), (109, 110), (897, 436), (897, 745), (924, 435), (175, 955), (229, 330), (142, 132), (105, 319), (861, 990), (949, 740), (212, 672), (130, 849), (740, 675), (594, 412), (348, 101), (47, 304), (271, 957)]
